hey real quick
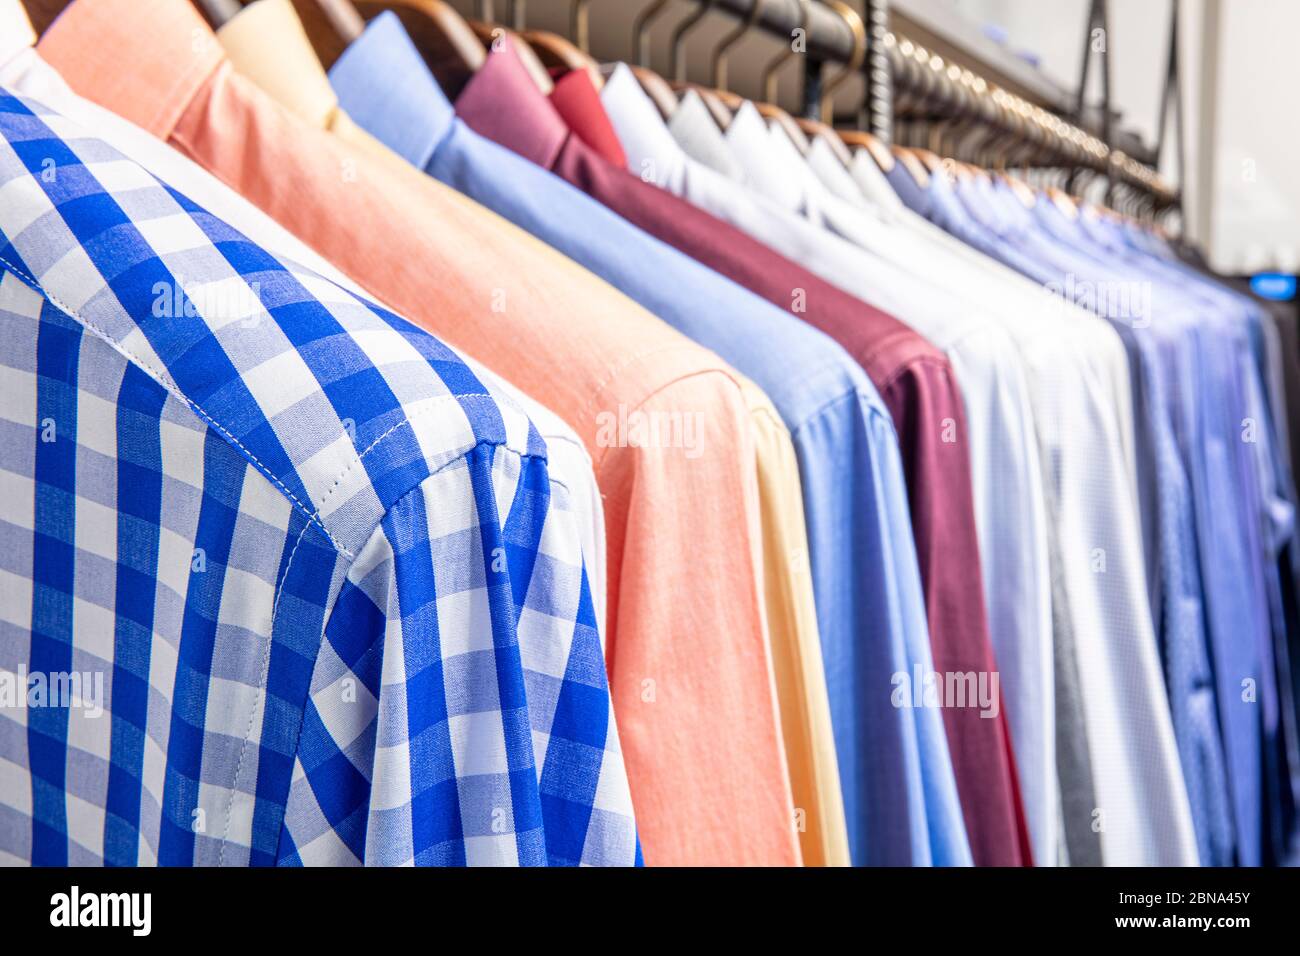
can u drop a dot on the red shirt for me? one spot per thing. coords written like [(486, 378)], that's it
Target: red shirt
[(914, 378)]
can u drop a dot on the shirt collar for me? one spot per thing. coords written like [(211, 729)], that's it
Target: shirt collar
[(871, 179), (639, 127), (501, 102), (578, 101), (266, 43), (382, 80), (146, 59), (695, 129), (757, 152), (833, 175)]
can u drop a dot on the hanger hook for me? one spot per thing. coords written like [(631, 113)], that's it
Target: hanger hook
[(718, 58), (769, 71), (580, 24), (640, 27), (851, 17), (678, 64)]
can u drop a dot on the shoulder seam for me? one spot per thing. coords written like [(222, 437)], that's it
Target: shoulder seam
[(165, 380)]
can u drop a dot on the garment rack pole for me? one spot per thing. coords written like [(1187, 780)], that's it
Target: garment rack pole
[(877, 113), (828, 38)]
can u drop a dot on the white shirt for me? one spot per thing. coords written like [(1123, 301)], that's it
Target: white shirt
[(23, 72), (1077, 374), (1005, 470), (1137, 769)]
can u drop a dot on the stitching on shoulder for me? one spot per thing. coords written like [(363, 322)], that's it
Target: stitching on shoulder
[(166, 382), (379, 440)]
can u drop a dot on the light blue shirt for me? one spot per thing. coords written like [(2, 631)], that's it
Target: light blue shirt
[(1205, 495), (899, 791)]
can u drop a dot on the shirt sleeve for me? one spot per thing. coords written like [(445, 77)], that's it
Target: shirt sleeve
[(927, 408), (689, 666), (459, 712), (1007, 483), (900, 796), (796, 646)]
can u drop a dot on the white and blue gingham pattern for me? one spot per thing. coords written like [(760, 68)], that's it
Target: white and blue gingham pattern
[(335, 602)]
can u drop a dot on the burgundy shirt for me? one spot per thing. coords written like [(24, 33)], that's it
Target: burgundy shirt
[(914, 378)]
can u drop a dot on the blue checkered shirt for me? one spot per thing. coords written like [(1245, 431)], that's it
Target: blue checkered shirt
[(282, 581)]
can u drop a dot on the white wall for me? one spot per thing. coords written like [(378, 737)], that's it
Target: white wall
[(1243, 186), (1257, 207)]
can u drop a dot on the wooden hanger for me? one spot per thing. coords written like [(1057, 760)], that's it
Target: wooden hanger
[(936, 165), (491, 34), (817, 130), (718, 109), (788, 124), (41, 13), (1064, 202), (913, 165), (330, 25), (1019, 190), (930, 159), (877, 150), (557, 51), (657, 88), (448, 44)]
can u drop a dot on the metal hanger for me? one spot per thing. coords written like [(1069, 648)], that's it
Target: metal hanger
[(769, 79), (677, 65), (216, 12), (717, 109), (640, 35), (767, 106), (654, 85), (556, 51), (721, 103), (878, 151), (859, 29), (718, 57)]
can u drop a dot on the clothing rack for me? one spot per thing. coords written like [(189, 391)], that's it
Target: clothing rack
[(973, 83)]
